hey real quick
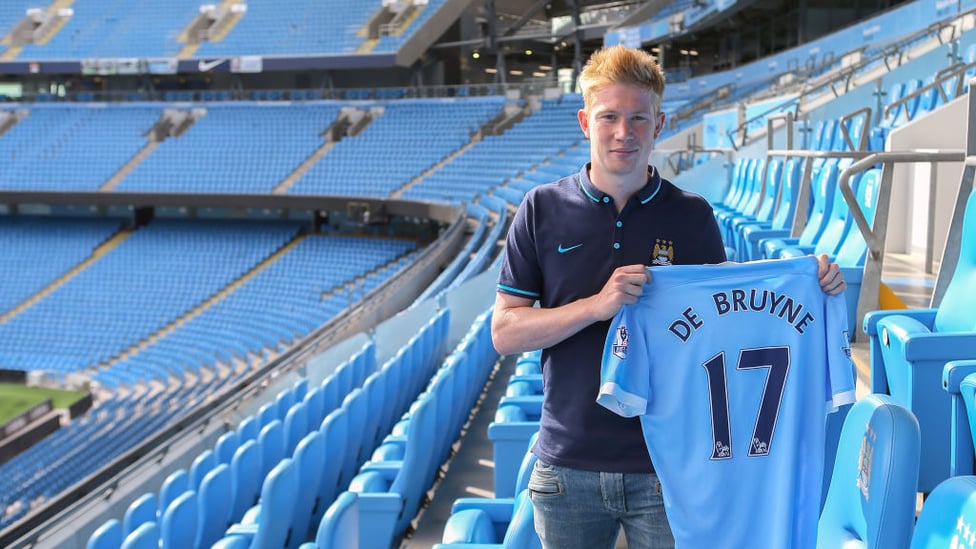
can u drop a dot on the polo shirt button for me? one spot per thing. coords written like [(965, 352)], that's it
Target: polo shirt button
[(616, 245), (620, 224), (606, 199)]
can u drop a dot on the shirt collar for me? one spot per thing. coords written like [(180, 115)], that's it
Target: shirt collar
[(651, 189)]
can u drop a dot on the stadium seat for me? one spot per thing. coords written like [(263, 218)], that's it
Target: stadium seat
[(215, 505), (144, 509), (871, 499), (145, 536), (390, 491), (107, 536), (173, 487), (519, 534), (309, 457), (909, 350), (340, 524), (467, 522), (948, 516), (747, 238), (268, 524), (822, 192), (180, 522), (516, 421), (959, 380), (246, 478)]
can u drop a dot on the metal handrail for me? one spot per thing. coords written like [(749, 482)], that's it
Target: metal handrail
[(876, 236)]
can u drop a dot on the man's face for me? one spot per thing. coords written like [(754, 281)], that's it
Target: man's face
[(621, 124)]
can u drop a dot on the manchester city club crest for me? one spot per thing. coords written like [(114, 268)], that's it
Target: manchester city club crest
[(663, 253), (619, 347)]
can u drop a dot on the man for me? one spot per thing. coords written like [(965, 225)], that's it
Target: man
[(580, 246)]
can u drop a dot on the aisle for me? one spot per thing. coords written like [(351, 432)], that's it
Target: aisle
[(470, 473)]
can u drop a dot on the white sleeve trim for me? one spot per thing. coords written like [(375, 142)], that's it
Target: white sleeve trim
[(840, 399), (614, 398)]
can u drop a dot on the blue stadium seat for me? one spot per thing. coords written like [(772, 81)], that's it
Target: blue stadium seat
[(478, 530), (215, 505), (947, 514), (268, 524), (822, 191), (309, 457), (909, 350), (516, 421), (246, 477), (106, 536), (144, 509), (340, 524), (180, 522), (749, 234), (145, 536), (871, 498)]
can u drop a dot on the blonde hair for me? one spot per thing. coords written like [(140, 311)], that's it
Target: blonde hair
[(621, 65)]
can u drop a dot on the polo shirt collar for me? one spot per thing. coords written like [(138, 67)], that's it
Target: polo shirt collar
[(645, 195)]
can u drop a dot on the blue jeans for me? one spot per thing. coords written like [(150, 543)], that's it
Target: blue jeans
[(585, 509)]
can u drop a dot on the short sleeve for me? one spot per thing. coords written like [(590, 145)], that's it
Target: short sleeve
[(520, 273), (625, 371), (840, 368)]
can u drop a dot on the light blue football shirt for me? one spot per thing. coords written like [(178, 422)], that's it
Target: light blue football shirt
[(732, 369)]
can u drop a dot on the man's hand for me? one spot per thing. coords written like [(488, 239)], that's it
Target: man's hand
[(831, 279), (624, 286)]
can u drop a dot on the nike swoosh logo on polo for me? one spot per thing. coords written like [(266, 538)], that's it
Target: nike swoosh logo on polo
[(562, 250)]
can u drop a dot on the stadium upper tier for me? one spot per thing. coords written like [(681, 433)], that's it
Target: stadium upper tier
[(97, 29)]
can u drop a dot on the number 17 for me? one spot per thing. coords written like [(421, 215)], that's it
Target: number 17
[(777, 362)]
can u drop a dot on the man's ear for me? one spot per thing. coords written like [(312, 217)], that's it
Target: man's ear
[(583, 122), (660, 124)]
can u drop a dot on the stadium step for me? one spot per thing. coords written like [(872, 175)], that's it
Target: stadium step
[(172, 123), (210, 25)]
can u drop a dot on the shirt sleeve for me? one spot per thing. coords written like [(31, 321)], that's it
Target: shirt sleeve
[(840, 367), (520, 272), (625, 371)]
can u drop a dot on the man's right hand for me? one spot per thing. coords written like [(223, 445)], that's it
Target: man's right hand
[(624, 286)]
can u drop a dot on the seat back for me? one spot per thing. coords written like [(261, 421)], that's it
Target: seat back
[(144, 509), (335, 430), (175, 484), (853, 250), (107, 536), (410, 481), (824, 183), (957, 312), (277, 505), (215, 504), (245, 478), (226, 446), (837, 223), (272, 444), (296, 426), (948, 512), (179, 526), (872, 490), (340, 524), (521, 530), (146, 536), (202, 464), (774, 178), (309, 456), (356, 407)]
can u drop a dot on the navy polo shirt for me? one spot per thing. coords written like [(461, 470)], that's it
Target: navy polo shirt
[(565, 241)]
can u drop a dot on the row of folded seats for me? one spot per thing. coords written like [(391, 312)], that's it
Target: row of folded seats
[(269, 482), (758, 213)]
